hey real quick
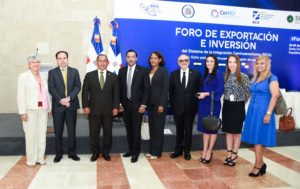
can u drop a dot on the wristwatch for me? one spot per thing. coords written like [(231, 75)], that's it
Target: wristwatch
[(269, 113)]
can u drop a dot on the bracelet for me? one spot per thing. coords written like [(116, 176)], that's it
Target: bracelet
[(269, 113)]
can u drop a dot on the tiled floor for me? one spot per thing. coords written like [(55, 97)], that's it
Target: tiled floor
[(283, 171)]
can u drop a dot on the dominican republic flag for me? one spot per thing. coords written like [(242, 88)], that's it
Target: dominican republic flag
[(114, 54), (95, 47)]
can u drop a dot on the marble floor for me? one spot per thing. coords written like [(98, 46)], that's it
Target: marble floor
[(283, 171)]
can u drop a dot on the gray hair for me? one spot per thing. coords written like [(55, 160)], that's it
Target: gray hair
[(33, 57)]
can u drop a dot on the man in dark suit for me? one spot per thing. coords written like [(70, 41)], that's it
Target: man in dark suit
[(184, 84), (134, 87), (64, 104), (101, 100)]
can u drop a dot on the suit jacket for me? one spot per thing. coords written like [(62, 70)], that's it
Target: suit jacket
[(183, 101), (159, 88), (140, 87), (101, 101), (28, 92), (57, 88)]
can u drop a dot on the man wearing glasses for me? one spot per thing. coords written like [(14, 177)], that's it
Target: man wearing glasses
[(184, 84), (100, 101)]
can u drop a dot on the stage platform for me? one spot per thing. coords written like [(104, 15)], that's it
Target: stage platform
[(12, 140)]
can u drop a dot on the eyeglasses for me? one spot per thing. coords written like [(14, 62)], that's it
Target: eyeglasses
[(184, 60)]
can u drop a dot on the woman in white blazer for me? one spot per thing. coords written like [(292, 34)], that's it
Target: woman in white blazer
[(34, 108)]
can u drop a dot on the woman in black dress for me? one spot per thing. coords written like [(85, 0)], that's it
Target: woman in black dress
[(236, 93)]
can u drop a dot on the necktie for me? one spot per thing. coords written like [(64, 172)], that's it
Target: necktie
[(65, 80), (183, 81), (129, 83), (101, 80)]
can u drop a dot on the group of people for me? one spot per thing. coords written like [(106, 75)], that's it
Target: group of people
[(136, 89)]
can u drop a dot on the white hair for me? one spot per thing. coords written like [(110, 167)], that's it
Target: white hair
[(33, 57)]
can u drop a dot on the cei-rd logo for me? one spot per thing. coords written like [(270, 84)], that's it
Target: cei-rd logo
[(214, 13)]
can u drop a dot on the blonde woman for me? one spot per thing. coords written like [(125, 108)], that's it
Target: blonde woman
[(34, 106), (259, 127)]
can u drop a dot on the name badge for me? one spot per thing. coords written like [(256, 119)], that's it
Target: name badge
[(231, 97)]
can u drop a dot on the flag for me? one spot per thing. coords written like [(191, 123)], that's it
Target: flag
[(95, 47), (114, 53)]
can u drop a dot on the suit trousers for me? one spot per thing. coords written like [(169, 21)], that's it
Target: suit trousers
[(95, 124), (156, 128), (133, 121), (35, 129), (69, 117), (184, 129)]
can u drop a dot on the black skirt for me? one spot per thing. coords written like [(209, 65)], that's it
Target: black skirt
[(233, 116)]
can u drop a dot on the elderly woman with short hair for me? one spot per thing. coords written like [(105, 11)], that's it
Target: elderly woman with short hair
[(34, 107)]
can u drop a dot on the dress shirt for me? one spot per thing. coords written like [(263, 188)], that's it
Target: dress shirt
[(104, 74), (186, 76)]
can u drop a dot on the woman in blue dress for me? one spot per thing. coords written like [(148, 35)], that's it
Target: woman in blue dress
[(259, 127), (212, 81)]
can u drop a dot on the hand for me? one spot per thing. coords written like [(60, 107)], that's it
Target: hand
[(142, 109), (86, 110), (67, 104), (49, 114), (160, 109), (64, 101), (24, 117), (201, 95), (121, 109), (267, 119), (115, 111)]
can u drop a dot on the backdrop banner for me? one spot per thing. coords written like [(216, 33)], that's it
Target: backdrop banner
[(196, 29)]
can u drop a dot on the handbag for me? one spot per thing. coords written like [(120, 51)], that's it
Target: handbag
[(211, 123), (145, 135), (287, 122), (280, 107)]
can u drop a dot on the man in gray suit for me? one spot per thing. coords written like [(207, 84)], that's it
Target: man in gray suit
[(64, 85), (100, 101)]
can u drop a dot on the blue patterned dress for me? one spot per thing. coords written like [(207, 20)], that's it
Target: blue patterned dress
[(255, 131), (216, 85)]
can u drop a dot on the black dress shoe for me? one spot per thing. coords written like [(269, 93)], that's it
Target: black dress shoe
[(187, 156), (134, 158), (106, 156), (261, 171), (94, 157), (175, 154), (74, 157), (128, 154), (57, 159)]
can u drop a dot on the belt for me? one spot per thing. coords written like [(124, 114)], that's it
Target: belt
[(130, 99), (40, 104)]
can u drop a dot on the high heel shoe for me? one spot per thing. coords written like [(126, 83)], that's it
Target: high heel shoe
[(228, 159), (206, 161), (261, 171), (232, 162)]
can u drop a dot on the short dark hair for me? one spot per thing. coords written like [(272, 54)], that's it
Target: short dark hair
[(102, 55), (61, 52), (131, 51), (159, 55)]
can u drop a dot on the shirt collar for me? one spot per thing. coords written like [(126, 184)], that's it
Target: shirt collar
[(104, 71), (133, 67), (186, 71), (64, 68)]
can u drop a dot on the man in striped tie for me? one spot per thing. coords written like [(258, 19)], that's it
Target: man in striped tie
[(64, 86)]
